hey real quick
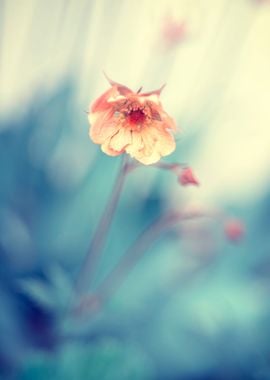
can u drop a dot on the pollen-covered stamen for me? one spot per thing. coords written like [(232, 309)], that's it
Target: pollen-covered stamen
[(136, 116), (135, 113)]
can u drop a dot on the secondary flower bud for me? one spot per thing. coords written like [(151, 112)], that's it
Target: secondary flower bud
[(234, 230), (186, 177), (173, 32)]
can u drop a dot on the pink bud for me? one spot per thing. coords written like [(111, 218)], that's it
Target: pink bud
[(186, 177), (174, 32), (234, 230)]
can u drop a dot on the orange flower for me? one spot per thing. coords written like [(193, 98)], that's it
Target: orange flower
[(124, 121)]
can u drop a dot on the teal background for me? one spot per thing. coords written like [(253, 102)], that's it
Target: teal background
[(196, 306)]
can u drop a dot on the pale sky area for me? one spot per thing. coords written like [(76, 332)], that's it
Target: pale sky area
[(218, 77)]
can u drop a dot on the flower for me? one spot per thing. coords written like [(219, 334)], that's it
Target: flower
[(123, 121), (234, 230), (186, 177)]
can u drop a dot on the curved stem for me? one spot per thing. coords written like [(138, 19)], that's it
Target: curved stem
[(147, 238), (169, 166), (97, 243)]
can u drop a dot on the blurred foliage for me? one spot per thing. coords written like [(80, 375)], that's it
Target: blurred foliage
[(108, 360), (195, 306), (175, 313)]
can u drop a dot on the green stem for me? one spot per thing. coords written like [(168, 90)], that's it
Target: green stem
[(148, 237), (97, 243), (132, 256)]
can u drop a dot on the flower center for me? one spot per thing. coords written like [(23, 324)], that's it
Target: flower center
[(136, 116)]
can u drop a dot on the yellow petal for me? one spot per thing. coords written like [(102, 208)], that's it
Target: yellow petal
[(121, 139), (147, 160), (157, 142), (164, 142), (136, 143), (168, 121), (105, 147), (142, 148)]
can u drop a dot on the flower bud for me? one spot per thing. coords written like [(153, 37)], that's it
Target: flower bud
[(234, 230), (186, 177)]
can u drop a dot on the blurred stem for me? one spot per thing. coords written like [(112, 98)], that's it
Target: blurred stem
[(147, 238), (88, 267), (160, 165), (169, 166)]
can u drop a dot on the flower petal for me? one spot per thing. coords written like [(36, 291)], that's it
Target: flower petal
[(165, 143), (157, 143), (149, 142), (121, 139), (168, 121), (103, 125), (101, 103), (105, 147), (147, 159), (142, 148), (136, 143)]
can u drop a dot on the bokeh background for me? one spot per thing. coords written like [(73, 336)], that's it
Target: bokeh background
[(196, 306)]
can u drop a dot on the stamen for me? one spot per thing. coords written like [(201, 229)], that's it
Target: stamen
[(136, 116)]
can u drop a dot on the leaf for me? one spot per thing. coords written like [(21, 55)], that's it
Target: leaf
[(38, 291)]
